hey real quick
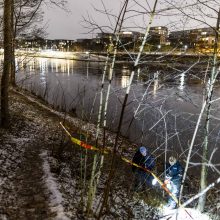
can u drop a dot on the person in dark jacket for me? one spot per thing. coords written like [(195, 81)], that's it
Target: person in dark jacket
[(173, 179), (144, 159)]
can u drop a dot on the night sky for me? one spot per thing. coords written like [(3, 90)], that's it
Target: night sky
[(70, 25)]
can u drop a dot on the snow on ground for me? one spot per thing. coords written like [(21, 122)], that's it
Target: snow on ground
[(11, 153), (55, 197), (183, 214), (85, 126), (65, 197), (29, 130), (62, 175)]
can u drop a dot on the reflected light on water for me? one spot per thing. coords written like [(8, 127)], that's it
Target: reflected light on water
[(182, 82), (63, 67), (156, 83), (125, 76), (56, 66), (31, 66), (125, 71), (125, 81), (52, 66), (16, 65), (68, 67), (138, 73), (43, 67)]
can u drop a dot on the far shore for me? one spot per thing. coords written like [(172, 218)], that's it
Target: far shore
[(80, 56), (101, 56)]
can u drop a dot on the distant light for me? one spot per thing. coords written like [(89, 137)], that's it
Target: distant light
[(127, 32)]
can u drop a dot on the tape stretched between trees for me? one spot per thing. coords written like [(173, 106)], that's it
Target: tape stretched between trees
[(107, 151)]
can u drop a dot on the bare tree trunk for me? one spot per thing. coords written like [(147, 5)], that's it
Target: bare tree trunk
[(93, 183), (96, 174), (12, 80), (112, 169), (7, 63), (203, 178)]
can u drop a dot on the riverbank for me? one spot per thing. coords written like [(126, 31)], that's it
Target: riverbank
[(79, 56), (41, 169), (148, 58), (163, 59)]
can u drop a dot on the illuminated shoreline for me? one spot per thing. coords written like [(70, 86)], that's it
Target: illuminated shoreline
[(81, 56)]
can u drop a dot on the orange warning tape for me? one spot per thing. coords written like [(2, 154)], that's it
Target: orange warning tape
[(107, 151), (82, 143)]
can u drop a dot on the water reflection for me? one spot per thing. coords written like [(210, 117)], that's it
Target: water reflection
[(56, 65), (138, 73), (87, 69), (52, 67), (32, 65), (16, 65), (68, 67), (43, 68), (125, 71), (77, 91), (125, 76), (22, 64), (182, 82), (125, 81), (156, 82)]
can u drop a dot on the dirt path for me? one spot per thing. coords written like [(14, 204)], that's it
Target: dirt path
[(24, 193), (31, 197)]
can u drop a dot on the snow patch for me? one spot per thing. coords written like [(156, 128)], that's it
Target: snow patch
[(86, 126), (3, 217), (55, 197), (184, 214)]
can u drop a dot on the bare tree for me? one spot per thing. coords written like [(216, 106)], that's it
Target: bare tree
[(93, 181), (115, 148), (20, 16), (8, 31), (210, 87)]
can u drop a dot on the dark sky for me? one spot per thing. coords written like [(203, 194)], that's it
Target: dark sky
[(62, 24), (70, 25)]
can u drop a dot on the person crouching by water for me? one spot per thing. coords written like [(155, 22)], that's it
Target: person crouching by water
[(173, 179), (142, 178)]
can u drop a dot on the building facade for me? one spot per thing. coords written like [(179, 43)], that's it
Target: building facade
[(199, 38), (158, 35)]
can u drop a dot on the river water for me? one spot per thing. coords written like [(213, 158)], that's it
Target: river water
[(161, 111)]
